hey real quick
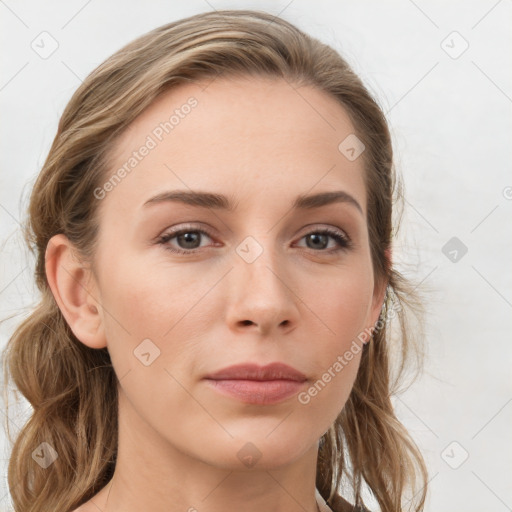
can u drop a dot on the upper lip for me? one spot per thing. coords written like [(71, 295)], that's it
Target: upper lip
[(251, 371)]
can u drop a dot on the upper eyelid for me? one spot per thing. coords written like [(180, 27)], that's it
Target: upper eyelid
[(178, 230), (199, 227)]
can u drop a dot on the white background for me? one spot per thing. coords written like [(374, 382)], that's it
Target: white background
[(451, 123)]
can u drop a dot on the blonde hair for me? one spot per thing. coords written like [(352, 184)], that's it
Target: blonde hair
[(73, 389)]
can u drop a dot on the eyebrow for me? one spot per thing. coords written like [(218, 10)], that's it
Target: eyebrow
[(222, 202)]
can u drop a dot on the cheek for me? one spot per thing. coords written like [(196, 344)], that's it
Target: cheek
[(343, 303), (151, 329), (343, 309), (161, 303)]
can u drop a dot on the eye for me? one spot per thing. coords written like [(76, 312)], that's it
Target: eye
[(188, 240), (319, 240)]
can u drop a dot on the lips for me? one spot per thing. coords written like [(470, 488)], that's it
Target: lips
[(251, 371), (261, 385)]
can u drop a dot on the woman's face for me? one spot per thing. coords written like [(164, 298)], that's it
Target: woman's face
[(256, 282)]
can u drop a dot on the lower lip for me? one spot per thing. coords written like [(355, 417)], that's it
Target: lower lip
[(256, 391)]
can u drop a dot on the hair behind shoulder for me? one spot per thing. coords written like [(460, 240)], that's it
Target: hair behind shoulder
[(73, 389)]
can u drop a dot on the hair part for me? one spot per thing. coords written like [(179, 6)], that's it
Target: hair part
[(73, 389)]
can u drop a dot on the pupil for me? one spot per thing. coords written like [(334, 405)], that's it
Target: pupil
[(189, 238), (316, 237)]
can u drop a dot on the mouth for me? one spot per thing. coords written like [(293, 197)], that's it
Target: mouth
[(262, 385)]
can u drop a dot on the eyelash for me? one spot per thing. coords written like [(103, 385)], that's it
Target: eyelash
[(344, 243)]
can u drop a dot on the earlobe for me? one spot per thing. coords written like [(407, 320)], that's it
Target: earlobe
[(74, 290)]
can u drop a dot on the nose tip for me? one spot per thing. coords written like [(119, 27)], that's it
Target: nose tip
[(261, 299)]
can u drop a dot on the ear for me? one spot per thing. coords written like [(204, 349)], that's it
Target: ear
[(75, 291), (379, 293)]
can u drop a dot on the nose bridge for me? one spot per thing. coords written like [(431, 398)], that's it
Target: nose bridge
[(258, 264)]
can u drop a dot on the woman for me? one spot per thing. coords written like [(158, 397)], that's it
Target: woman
[(213, 229)]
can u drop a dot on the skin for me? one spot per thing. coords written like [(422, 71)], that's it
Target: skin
[(262, 144)]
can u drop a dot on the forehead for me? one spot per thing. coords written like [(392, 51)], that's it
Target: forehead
[(239, 135)]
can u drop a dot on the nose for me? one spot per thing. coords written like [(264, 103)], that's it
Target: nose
[(262, 296)]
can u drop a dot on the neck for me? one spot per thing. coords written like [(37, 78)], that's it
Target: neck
[(151, 474)]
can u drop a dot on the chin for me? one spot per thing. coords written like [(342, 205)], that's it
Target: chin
[(260, 452)]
